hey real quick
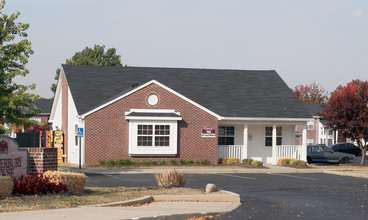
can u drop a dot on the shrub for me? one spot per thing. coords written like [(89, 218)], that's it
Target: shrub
[(256, 163), (75, 182), (232, 161), (191, 162), (170, 179), (6, 186), (35, 184), (221, 160), (283, 161), (162, 163), (101, 162), (198, 162), (247, 161), (298, 162), (173, 162), (123, 162), (205, 162), (110, 162), (182, 162)]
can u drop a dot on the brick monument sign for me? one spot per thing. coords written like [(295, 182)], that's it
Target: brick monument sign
[(13, 161)]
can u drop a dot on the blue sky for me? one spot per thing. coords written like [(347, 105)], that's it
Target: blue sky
[(325, 41)]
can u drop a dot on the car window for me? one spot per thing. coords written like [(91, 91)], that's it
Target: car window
[(316, 149), (326, 149), (349, 146)]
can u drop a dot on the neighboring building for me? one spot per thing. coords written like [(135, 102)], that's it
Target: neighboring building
[(141, 114), (45, 106), (317, 130)]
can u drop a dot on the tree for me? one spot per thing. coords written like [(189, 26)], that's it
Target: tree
[(313, 93), (95, 56), (16, 104), (348, 112)]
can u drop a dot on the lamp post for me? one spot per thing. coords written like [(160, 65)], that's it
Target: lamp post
[(335, 136)]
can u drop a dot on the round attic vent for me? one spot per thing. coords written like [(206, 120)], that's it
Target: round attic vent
[(152, 99)]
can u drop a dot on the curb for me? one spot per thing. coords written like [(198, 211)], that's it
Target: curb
[(142, 200), (346, 173), (234, 206), (232, 198), (226, 196)]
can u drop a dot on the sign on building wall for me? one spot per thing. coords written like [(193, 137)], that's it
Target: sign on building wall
[(59, 144), (13, 161), (208, 132)]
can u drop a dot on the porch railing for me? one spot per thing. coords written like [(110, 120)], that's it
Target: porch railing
[(234, 151), (290, 151)]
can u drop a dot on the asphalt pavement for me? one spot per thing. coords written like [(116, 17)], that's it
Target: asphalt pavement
[(266, 193)]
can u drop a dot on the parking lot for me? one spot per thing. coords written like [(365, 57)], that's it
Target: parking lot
[(272, 196)]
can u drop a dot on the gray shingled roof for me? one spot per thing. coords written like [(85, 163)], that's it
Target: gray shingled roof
[(44, 105), (228, 93), (313, 108)]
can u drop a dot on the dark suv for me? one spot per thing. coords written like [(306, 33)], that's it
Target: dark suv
[(347, 148)]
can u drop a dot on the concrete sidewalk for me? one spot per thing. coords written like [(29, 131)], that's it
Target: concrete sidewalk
[(155, 210), (161, 207)]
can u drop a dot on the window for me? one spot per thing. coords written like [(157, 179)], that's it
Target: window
[(310, 141), (268, 136), (278, 135), (153, 135), (268, 141), (150, 138), (330, 132), (310, 125), (226, 135)]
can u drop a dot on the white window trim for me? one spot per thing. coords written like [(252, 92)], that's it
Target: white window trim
[(170, 150), (277, 136), (310, 125)]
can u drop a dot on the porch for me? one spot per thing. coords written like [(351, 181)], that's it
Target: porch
[(261, 141)]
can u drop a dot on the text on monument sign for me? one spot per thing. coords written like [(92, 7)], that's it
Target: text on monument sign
[(13, 162)]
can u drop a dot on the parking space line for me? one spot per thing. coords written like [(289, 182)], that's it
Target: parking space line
[(300, 177), (243, 177), (106, 174)]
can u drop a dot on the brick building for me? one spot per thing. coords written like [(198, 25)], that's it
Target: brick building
[(141, 114), (317, 130)]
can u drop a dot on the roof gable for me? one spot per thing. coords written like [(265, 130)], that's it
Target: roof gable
[(228, 93)]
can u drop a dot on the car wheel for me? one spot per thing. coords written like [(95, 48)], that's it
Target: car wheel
[(344, 160), (309, 160)]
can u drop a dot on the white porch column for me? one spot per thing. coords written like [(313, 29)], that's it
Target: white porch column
[(274, 148), (245, 142), (304, 144)]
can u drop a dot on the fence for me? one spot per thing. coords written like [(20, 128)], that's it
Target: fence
[(234, 151)]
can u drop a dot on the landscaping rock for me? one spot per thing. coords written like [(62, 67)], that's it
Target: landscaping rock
[(210, 188)]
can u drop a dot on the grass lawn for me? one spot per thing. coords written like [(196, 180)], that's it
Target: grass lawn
[(91, 196)]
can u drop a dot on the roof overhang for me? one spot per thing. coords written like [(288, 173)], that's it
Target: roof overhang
[(264, 119), (153, 115)]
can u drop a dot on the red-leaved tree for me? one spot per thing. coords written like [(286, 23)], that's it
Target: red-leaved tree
[(348, 112), (36, 128), (313, 93)]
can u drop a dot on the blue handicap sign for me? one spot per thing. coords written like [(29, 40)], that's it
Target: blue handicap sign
[(80, 132)]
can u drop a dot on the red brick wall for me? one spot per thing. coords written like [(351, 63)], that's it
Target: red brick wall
[(107, 130), (311, 134), (64, 123), (42, 160)]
